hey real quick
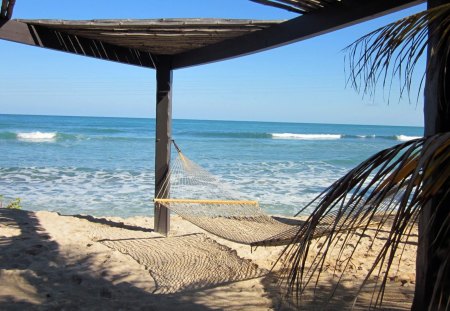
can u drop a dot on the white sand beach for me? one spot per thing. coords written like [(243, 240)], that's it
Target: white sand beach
[(54, 262)]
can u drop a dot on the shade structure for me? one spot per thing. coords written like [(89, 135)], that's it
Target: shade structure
[(168, 44), (193, 41)]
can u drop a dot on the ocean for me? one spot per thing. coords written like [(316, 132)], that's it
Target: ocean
[(104, 166)]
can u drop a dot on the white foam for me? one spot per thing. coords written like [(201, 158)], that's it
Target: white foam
[(306, 136), (280, 187), (72, 190), (366, 136), (406, 138), (37, 136)]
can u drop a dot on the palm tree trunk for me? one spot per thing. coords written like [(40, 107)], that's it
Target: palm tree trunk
[(433, 248)]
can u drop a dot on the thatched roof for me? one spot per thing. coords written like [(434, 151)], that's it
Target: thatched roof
[(173, 36), (157, 36)]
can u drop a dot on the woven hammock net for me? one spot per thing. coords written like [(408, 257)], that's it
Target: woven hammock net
[(203, 199), (213, 205)]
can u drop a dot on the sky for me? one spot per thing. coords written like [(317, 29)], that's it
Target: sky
[(301, 82)]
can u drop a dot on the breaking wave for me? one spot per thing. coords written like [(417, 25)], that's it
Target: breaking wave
[(37, 136), (306, 136)]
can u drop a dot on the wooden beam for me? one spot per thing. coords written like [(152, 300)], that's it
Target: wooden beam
[(163, 141), (7, 9), (333, 17), (47, 38)]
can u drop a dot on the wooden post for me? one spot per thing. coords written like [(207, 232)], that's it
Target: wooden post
[(433, 249), (163, 140)]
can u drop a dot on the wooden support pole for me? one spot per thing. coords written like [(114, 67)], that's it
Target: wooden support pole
[(433, 248), (163, 140)]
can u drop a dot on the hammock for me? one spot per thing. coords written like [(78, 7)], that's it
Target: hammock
[(215, 207)]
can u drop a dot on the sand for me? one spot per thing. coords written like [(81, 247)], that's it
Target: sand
[(56, 262)]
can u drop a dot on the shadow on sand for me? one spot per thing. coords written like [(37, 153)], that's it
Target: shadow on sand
[(34, 275), (330, 296), (41, 280), (47, 281), (111, 223)]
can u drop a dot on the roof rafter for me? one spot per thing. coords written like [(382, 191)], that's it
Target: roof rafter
[(280, 6), (61, 41), (7, 9), (299, 6)]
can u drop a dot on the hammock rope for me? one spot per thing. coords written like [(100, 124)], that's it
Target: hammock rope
[(206, 201), (211, 204)]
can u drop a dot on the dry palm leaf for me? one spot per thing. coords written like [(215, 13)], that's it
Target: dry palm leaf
[(394, 50), (393, 184)]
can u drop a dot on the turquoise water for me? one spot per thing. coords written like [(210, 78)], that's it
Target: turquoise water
[(104, 166)]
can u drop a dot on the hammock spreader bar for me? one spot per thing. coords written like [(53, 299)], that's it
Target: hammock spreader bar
[(193, 201)]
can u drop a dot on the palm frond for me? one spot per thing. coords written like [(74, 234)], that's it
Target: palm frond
[(391, 188), (392, 52)]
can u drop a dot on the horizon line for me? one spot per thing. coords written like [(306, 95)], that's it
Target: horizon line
[(193, 119)]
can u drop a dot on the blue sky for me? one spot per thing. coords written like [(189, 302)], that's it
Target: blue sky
[(301, 82)]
